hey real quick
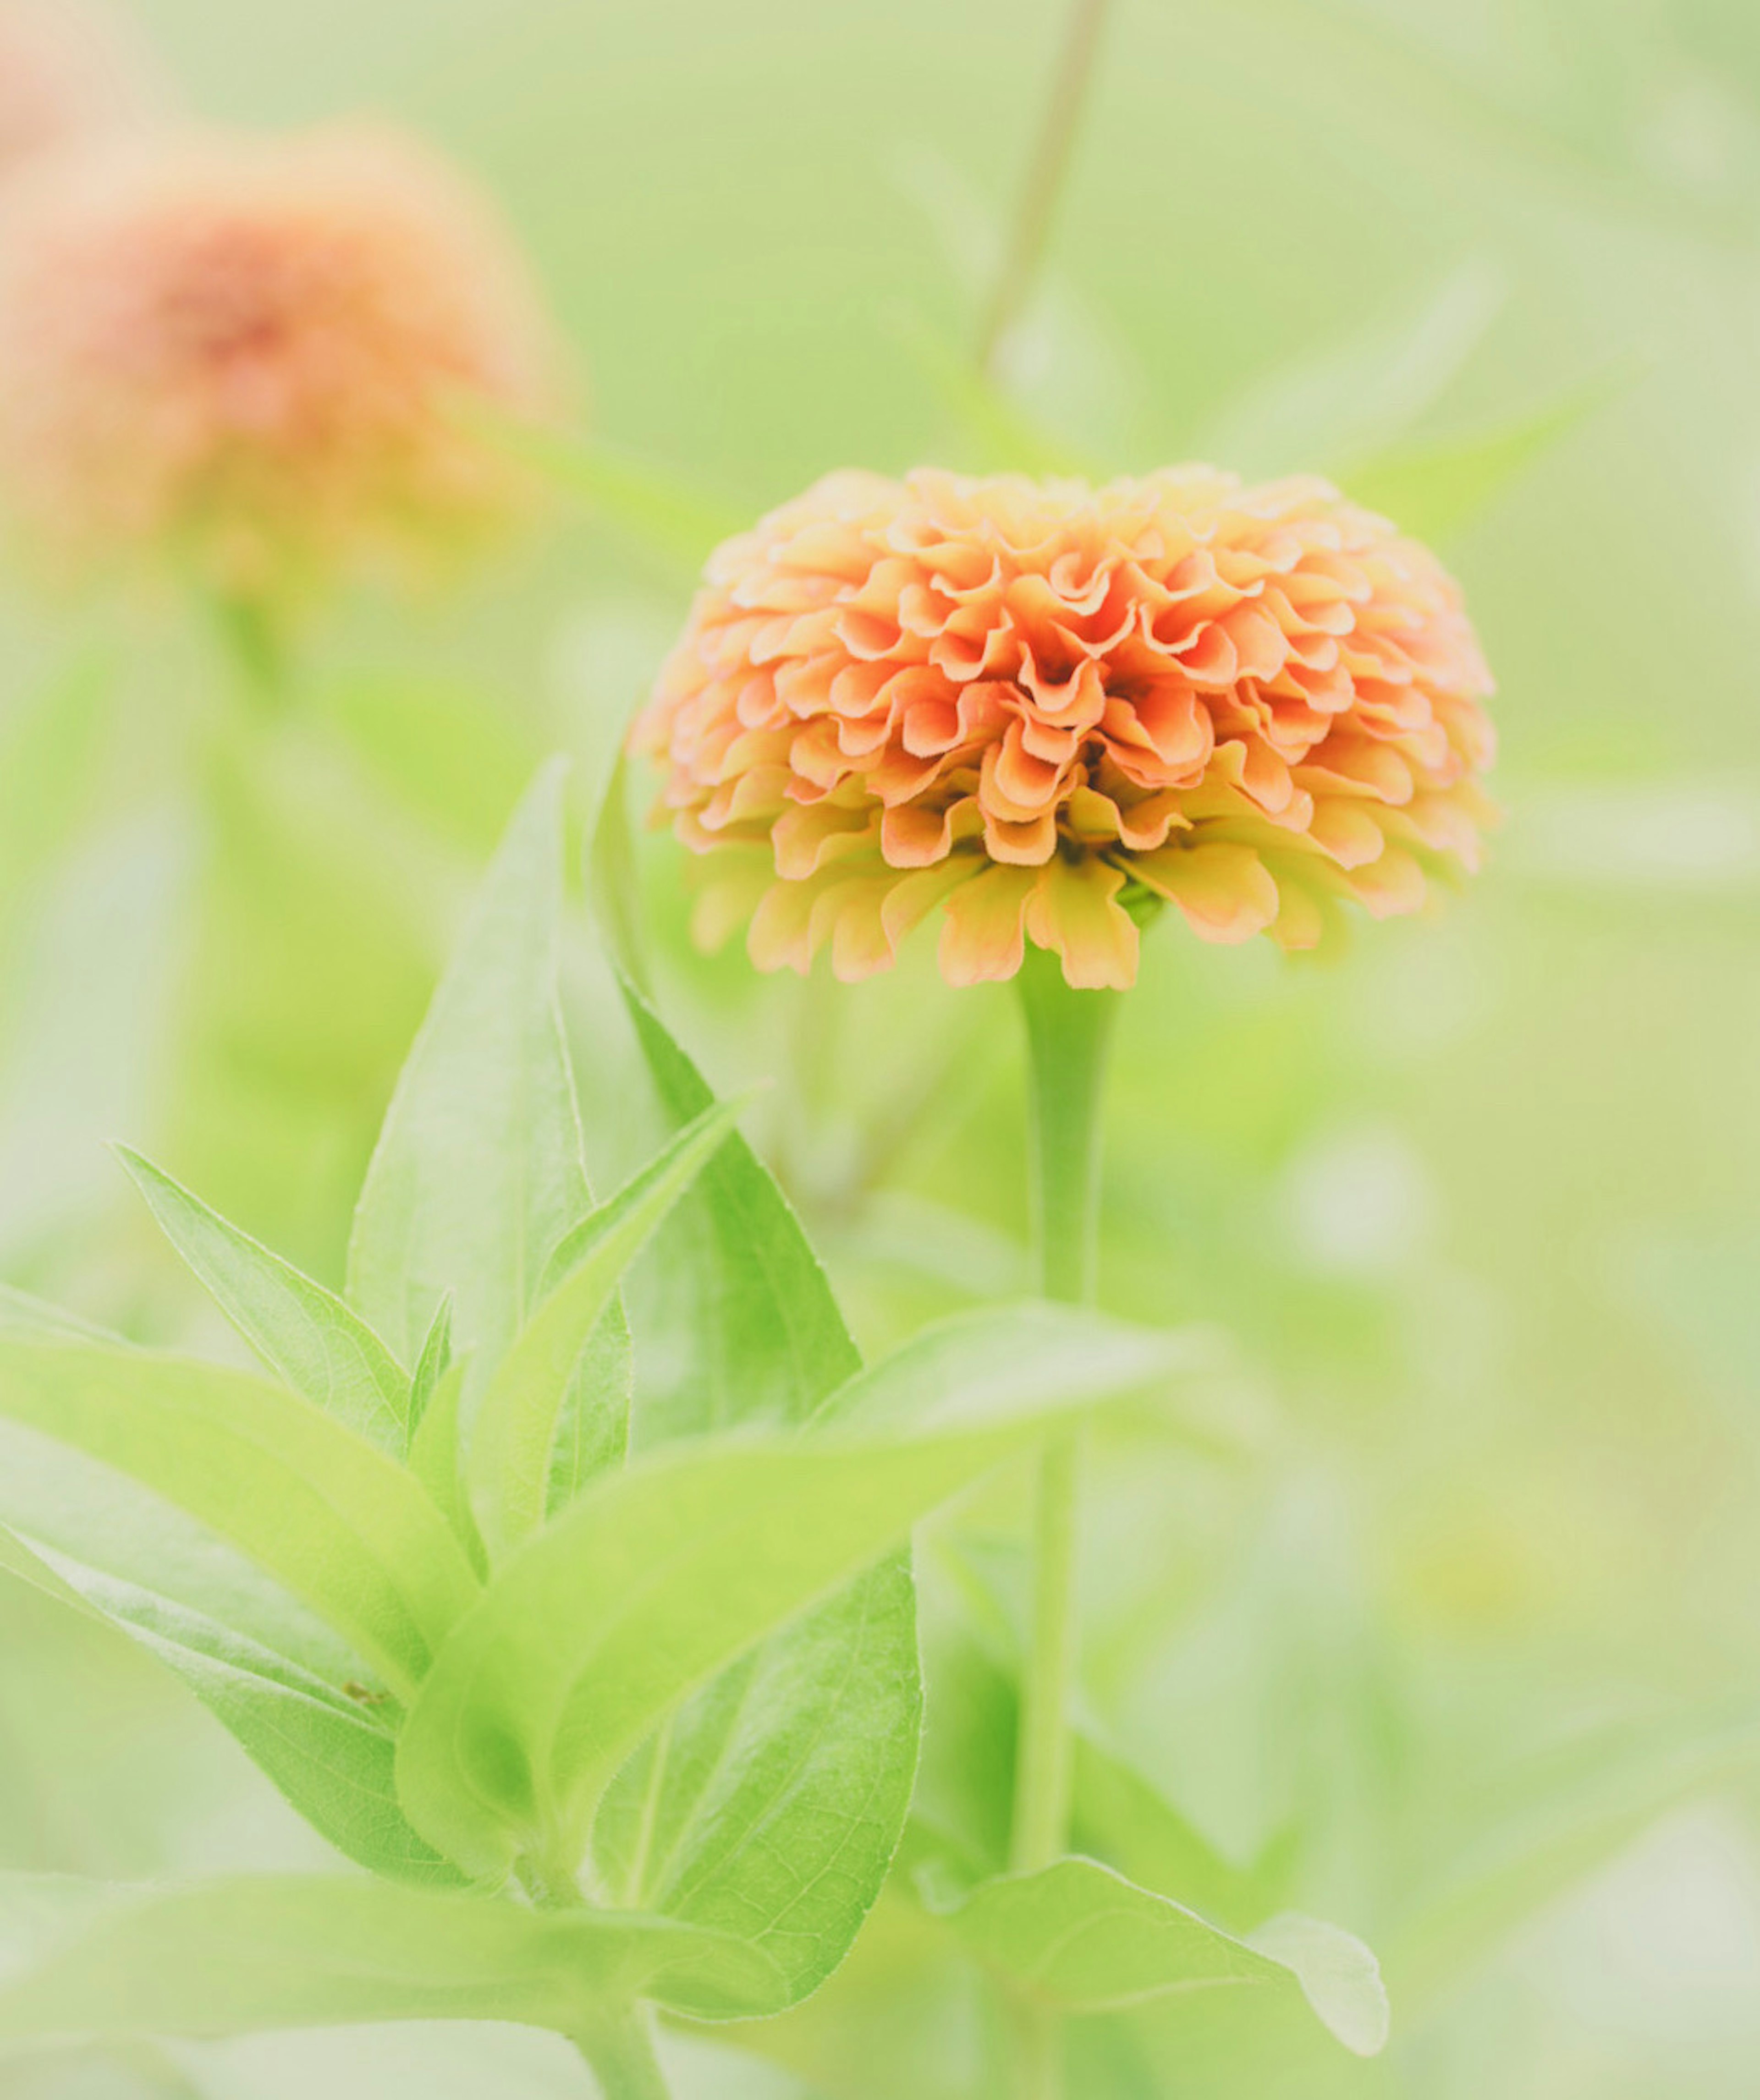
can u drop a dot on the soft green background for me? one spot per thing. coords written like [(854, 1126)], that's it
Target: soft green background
[(1482, 1204)]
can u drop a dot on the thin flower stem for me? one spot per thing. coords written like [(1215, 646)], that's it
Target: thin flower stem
[(1068, 1034), (1032, 224), (255, 650), (621, 2056)]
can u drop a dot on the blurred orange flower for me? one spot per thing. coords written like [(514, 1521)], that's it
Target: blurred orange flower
[(1027, 704), (246, 354), (68, 71)]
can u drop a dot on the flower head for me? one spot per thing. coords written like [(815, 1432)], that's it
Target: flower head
[(246, 356), (1024, 704), (68, 71)]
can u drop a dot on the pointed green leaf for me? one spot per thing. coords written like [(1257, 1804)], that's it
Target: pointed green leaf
[(339, 1523), (272, 1951), (678, 521), (962, 1810), (774, 1797), (1574, 1811), (477, 1174), (322, 1348), (431, 1365), (1435, 488), (331, 1755), (508, 1463), (62, 1498), (771, 1804), (49, 750), (21, 1313), (746, 1328), (592, 1432), (1081, 1938), (1008, 1364), (613, 882), (436, 1461), (664, 1574)]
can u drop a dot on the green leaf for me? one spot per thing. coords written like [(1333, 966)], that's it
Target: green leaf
[(681, 523), (478, 1173), (431, 1366), (457, 755), (1350, 396), (664, 1574), (1079, 1937), (322, 1348), (48, 762), (593, 1430), (1008, 1365), (1433, 489), (78, 1507), (746, 1327), (21, 1313), (331, 1756), (773, 1799), (335, 1520), (272, 1951), (435, 1459), (507, 1465), (962, 1810), (1003, 434), (771, 1804), (614, 887), (1576, 1810)]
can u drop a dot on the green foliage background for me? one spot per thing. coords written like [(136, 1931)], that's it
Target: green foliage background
[(1469, 1645)]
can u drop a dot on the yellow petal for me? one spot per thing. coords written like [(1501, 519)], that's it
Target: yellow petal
[(1075, 912)]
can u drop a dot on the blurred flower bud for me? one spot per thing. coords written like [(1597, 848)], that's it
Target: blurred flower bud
[(69, 72), (253, 359)]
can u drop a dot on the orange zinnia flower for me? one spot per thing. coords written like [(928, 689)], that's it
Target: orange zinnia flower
[(1030, 704), (245, 356)]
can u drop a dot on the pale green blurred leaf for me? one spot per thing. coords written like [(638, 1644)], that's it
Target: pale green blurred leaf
[(285, 1950), (651, 506), (457, 757), (329, 1753), (1434, 488), (508, 1464), (337, 1522), (48, 759), (1000, 434), (323, 1349), (1346, 397), (1084, 1940), (1577, 1811)]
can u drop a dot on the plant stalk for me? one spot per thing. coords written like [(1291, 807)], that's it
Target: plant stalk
[(622, 2058), (1068, 1034), (1033, 214)]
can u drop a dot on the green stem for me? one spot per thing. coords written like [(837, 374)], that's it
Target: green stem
[(1045, 177), (254, 642), (1069, 1033), (621, 2056)]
